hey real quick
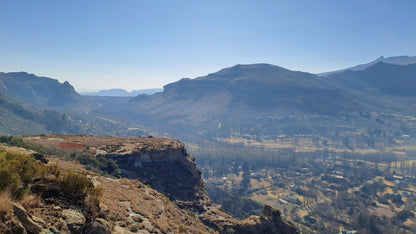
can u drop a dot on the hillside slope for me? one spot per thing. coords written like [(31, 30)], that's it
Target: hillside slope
[(40, 91), (266, 105), (379, 79), (253, 102), (122, 205), (239, 95), (33, 105), (20, 119)]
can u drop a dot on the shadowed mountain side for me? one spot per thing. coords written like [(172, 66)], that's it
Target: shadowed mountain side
[(40, 91), (32, 105), (20, 119), (261, 88), (397, 60), (16, 119), (240, 94), (380, 79)]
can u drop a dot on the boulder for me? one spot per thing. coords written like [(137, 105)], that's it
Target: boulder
[(74, 219), (99, 226), (26, 219)]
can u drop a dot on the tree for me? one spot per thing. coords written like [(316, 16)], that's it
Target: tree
[(371, 226), (245, 183)]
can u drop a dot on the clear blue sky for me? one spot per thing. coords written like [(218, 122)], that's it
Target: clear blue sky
[(147, 44)]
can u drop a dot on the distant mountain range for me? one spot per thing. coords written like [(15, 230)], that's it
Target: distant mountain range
[(122, 92), (262, 101), (397, 60), (241, 104)]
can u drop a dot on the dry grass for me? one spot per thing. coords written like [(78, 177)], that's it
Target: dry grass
[(389, 190), (31, 201), (6, 212), (124, 197), (109, 144), (6, 205), (382, 210)]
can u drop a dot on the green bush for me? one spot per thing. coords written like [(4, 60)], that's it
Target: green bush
[(182, 229), (100, 165), (15, 171), (76, 185), (241, 207), (11, 140), (18, 170)]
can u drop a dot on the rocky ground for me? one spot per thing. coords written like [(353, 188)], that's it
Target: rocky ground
[(173, 199)]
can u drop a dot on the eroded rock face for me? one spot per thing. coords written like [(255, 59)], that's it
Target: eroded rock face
[(161, 163), (171, 171)]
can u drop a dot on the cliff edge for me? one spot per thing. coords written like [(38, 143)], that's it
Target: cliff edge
[(148, 164)]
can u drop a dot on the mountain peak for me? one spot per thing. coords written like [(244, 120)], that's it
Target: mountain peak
[(396, 60)]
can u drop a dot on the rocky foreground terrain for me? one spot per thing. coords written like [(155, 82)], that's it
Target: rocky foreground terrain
[(160, 190)]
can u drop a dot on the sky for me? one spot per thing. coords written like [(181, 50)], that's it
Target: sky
[(135, 44)]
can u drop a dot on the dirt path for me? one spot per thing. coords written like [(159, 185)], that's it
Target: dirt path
[(94, 108), (99, 117)]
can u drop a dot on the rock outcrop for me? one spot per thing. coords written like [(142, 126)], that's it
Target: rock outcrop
[(171, 171), (26, 220), (74, 219), (160, 163), (162, 191)]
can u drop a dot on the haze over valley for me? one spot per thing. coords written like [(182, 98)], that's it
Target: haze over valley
[(263, 122), (223, 117), (257, 105)]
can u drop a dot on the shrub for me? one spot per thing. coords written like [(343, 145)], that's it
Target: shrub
[(99, 165), (11, 140), (18, 170), (182, 229), (76, 185), (276, 214), (14, 169), (6, 205), (241, 207)]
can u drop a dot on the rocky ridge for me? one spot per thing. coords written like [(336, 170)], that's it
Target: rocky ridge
[(128, 205), (160, 163)]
